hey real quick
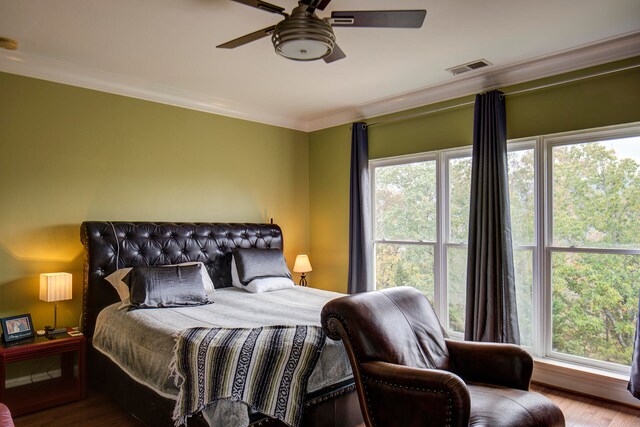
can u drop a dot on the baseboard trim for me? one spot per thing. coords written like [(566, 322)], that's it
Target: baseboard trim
[(588, 381), (28, 379)]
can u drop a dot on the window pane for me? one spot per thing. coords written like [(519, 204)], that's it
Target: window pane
[(456, 286), (456, 282), (459, 186), (523, 265), (595, 300), (522, 196), (406, 201), (405, 265), (596, 194)]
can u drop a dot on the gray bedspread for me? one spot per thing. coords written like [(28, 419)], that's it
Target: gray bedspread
[(141, 341)]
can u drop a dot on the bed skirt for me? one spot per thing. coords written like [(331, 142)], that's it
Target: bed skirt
[(332, 406)]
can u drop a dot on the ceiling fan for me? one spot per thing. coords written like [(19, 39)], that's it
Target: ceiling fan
[(302, 36)]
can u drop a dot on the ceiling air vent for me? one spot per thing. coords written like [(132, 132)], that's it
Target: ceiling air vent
[(469, 66)]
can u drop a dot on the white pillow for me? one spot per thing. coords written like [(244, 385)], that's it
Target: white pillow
[(115, 279), (257, 286)]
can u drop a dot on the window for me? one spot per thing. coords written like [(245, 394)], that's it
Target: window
[(593, 246), (457, 179), (406, 225), (575, 211), (458, 172)]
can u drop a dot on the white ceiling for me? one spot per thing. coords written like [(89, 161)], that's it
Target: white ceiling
[(165, 50)]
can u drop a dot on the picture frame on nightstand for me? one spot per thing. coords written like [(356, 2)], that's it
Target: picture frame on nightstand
[(16, 328)]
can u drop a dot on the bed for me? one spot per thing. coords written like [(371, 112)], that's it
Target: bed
[(121, 368)]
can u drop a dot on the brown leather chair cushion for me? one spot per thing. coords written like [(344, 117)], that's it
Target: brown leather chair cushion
[(400, 327), (496, 406)]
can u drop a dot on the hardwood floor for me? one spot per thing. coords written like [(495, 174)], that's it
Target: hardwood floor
[(97, 410), (584, 411)]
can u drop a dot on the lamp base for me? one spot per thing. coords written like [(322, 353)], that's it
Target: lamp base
[(50, 330), (303, 280)]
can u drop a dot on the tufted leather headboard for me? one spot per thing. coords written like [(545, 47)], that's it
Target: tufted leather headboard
[(160, 243)]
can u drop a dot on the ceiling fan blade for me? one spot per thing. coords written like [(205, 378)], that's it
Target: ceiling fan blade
[(316, 4), (379, 18), (263, 5), (322, 4), (335, 55), (247, 38)]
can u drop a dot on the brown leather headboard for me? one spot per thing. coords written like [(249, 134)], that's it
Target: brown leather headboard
[(112, 245)]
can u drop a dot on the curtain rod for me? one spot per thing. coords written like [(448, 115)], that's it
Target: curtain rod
[(531, 89)]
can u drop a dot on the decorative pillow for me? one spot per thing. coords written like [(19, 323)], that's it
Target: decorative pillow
[(115, 279), (257, 286), (159, 287), (255, 263)]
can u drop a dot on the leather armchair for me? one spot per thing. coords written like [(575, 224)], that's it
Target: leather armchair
[(408, 374)]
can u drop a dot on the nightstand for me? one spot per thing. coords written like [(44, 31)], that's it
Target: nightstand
[(69, 386)]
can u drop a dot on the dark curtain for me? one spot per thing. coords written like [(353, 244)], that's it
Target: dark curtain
[(491, 313), (634, 380), (359, 210)]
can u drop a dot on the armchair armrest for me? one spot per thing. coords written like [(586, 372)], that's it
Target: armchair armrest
[(507, 365), (413, 396)]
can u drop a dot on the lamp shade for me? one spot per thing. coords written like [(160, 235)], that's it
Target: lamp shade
[(302, 264), (55, 286)]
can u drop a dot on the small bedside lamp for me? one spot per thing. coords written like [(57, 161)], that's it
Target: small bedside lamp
[(55, 287), (302, 265)]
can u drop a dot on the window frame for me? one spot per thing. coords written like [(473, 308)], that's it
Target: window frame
[(445, 233), (397, 161), (547, 246), (542, 248)]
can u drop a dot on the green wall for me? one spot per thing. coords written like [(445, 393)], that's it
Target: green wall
[(69, 154), (599, 101)]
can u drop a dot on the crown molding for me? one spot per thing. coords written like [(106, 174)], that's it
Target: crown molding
[(593, 54), (601, 52), (45, 68)]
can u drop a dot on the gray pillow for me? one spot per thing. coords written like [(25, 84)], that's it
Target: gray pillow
[(255, 263), (159, 287)]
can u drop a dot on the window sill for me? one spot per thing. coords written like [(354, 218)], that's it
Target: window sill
[(585, 380)]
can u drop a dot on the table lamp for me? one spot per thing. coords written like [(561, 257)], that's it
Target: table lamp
[(302, 265), (55, 287)]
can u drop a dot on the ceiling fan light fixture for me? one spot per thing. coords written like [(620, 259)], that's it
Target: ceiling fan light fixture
[(303, 37), (303, 49)]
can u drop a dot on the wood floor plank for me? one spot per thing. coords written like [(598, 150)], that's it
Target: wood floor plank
[(585, 411), (97, 410)]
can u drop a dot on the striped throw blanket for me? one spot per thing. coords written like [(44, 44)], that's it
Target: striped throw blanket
[(267, 368)]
